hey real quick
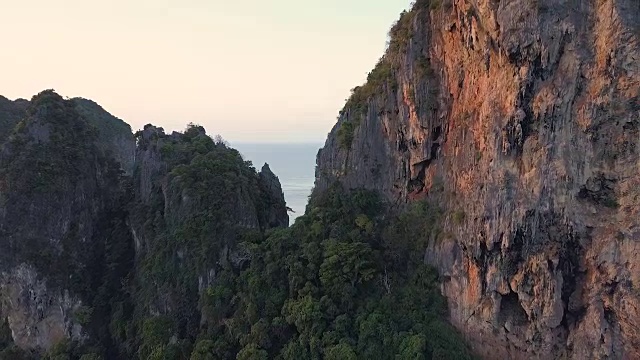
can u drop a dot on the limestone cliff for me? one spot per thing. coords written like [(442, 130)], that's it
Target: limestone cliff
[(521, 119), (104, 233), (196, 201), (56, 189), (276, 208)]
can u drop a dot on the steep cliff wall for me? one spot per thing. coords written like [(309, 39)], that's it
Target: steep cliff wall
[(521, 119), (196, 201), (58, 197)]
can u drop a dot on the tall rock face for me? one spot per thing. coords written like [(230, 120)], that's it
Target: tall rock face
[(196, 201), (521, 119), (59, 197), (276, 208)]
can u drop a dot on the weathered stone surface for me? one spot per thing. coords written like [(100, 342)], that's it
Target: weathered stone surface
[(534, 140), (148, 160), (39, 316), (276, 211)]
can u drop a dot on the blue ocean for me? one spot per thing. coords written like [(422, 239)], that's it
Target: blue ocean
[(294, 164)]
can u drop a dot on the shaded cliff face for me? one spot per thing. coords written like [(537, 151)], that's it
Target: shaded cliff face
[(114, 135), (11, 112), (275, 209), (196, 201), (56, 190), (521, 118)]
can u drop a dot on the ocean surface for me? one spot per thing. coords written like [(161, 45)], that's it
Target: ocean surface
[(294, 164)]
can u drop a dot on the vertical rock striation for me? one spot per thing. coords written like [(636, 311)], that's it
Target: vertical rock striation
[(522, 119)]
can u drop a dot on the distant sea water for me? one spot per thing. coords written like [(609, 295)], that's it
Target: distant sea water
[(294, 164)]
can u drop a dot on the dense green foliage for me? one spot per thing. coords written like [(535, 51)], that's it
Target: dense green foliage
[(51, 155), (345, 134), (52, 145), (342, 283)]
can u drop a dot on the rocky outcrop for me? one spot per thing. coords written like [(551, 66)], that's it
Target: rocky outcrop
[(521, 119), (276, 208), (58, 193), (195, 202), (39, 316), (258, 204)]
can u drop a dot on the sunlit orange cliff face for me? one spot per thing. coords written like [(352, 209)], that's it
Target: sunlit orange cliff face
[(520, 119)]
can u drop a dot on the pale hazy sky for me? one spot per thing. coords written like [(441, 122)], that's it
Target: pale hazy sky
[(251, 70)]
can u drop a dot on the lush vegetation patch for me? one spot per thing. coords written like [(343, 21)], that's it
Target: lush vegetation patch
[(51, 143), (209, 201), (342, 283), (345, 134)]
